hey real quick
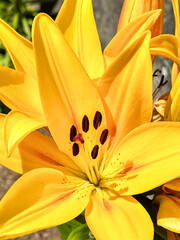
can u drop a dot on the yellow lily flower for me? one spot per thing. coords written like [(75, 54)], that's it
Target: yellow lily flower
[(76, 21), (176, 8), (133, 8), (172, 110), (165, 45), (169, 207), (19, 88), (102, 156)]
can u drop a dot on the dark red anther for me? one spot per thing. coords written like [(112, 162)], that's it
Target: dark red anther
[(103, 136), (85, 123), (73, 133), (97, 120), (75, 149), (155, 72), (94, 152)]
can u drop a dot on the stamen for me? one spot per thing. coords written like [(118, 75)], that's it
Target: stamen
[(75, 149), (97, 120), (161, 84), (73, 133), (156, 71), (85, 123), (103, 136), (94, 152), (79, 138)]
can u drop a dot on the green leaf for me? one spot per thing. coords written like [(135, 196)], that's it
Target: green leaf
[(80, 233), (5, 60), (26, 27), (15, 20), (66, 228), (41, 1)]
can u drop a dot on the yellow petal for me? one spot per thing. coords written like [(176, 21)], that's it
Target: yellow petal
[(110, 217), (169, 212), (20, 49), (159, 107), (167, 46), (77, 23), (126, 87), (174, 73), (146, 158), (172, 186), (35, 151), (17, 126), (67, 92), (20, 92), (40, 199), (128, 34), (172, 110), (133, 8), (176, 8)]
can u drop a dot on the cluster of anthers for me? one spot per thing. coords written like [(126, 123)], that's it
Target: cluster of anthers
[(83, 147)]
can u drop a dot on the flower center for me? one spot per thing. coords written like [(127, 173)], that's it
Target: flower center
[(88, 145)]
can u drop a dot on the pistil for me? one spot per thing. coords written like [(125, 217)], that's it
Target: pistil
[(78, 138)]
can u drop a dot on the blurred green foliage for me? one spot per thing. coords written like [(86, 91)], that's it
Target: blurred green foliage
[(19, 15)]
